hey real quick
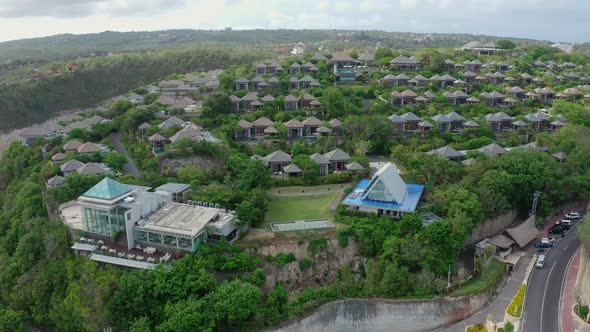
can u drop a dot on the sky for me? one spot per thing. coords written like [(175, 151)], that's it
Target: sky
[(554, 20)]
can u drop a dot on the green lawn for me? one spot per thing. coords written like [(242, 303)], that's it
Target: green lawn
[(286, 208), (491, 275), (310, 189)]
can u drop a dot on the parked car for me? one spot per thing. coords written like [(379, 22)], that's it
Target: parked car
[(540, 261), (565, 223), (549, 239), (543, 244), (557, 230), (572, 216)]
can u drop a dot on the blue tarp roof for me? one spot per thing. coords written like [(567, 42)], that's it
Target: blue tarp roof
[(107, 189), (411, 199)]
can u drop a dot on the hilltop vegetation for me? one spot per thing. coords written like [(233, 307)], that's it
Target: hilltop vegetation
[(102, 78), (68, 46)]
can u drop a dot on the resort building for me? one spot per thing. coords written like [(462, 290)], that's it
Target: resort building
[(111, 209), (385, 194)]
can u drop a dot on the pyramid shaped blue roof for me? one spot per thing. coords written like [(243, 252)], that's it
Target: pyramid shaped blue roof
[(107, 189)]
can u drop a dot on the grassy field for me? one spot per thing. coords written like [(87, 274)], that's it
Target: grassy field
[(313, 189), (491, 275), (286, 208)]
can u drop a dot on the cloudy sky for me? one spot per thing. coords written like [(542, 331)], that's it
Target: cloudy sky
[(555, 20)]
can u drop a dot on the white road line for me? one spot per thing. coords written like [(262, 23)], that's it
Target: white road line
[(545, 292)]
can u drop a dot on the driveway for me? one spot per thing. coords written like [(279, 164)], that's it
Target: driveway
[(129, 167), (497, 307)]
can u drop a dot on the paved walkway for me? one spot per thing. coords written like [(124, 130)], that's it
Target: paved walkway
[(568, 299), (129, 167), (497, 308)]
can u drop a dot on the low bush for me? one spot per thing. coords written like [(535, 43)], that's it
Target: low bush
[(304, 264), (582, 311), (283, 259), (343, 239), (477, 328)]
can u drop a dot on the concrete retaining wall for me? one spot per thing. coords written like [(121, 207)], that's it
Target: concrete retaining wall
[(490, 227), (388, 315)]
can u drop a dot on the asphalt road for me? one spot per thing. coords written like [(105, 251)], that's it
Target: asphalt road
[(129, 167), (543, 296)]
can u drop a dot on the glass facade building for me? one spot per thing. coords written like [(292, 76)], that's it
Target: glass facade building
[(169, 239), (104, 221)]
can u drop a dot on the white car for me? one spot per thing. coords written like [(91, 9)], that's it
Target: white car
[(540, 262), (572, 215)]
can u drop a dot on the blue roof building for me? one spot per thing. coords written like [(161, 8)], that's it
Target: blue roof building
[(385, 194)]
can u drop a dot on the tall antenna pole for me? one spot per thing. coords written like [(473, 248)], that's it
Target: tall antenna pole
[(536, 196)]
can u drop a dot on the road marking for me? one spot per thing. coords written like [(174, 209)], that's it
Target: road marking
[(545, 292), (565, 247)]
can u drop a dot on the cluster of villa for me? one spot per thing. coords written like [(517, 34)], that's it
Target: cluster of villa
[(280, 163), (251, 101), (453, 121), (75, 166), (259, 83), (67, 124), (190, 83), (490, 150), (310, 128), (187, 131)]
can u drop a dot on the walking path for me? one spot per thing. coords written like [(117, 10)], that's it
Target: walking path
[(497, 308), (568, 300), (129, 167)]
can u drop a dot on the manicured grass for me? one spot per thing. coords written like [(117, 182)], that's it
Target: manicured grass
[(489, 278), (515, 307), (287, 208), (310, 189)]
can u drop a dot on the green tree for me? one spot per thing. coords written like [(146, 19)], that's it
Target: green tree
[(254, 174), (276, 303), (115, 161), (381, 53), (334, 102), (141, 324), (216, 104), (191, 174), (226, 81), (234, 303), (258, 277), (248, 214), (121, 107), (77, 133), (507, 44), (187, 315)]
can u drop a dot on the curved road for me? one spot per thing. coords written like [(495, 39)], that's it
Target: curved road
[(129, 167), (542, 309)]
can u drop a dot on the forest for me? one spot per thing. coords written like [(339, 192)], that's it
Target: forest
[(35, 101)]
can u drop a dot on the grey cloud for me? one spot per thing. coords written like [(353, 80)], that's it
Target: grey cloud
[(54, 8), (83, 8)]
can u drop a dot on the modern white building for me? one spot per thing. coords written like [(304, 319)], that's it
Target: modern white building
[(111, 209), (298, 49)]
